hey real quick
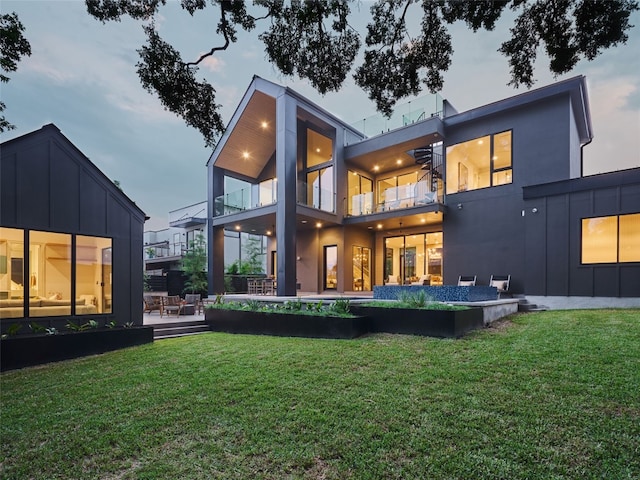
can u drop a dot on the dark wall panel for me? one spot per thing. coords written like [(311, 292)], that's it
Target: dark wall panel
[(8, 189), (93, 205), (33, 185), (535, 247), (605, 201), (630, 199), (606, 281), (484, 238), (558, 247), (630, 281), (64, 188)]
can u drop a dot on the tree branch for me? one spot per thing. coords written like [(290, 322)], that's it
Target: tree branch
[(224, 23)]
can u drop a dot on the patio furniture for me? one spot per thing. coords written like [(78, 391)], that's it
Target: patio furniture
[(151, 304), (171, 304), (268, 286), (501, 282), (467, 280), (195, 300)]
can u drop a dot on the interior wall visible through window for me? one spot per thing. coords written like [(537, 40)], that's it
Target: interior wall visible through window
[(479, 163)]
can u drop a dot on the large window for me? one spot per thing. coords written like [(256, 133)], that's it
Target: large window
[(319, 172), (479, 163), (611, 239), (44, 274), (320, 189), (360, 194), (413, 259)]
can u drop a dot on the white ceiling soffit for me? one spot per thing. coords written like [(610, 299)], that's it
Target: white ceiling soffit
[(253, 140)]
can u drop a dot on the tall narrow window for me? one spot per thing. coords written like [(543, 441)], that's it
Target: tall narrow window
[(319, 173), (331, 267), (359, 194), (93, 275), (361, 260), (12, 287), (50, 256)]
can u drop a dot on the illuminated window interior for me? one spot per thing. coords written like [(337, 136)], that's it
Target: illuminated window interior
[(479, 163), (611, 239), (45, 278)]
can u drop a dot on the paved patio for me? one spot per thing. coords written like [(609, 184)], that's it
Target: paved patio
[(154, 318)]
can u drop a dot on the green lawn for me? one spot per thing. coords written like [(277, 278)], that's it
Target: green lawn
[(542, 396)]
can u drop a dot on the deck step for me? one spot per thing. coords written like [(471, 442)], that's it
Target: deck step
[(179, 329), (525, 306)]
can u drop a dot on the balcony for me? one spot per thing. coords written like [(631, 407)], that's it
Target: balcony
[(395, 198), (427, 190), (311, 195), (253, 196)]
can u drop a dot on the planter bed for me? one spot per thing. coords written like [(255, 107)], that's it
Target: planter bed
[(25, 350), (413, 321), (284, 324)]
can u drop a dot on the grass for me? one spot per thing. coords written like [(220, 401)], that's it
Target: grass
[(550, 395)]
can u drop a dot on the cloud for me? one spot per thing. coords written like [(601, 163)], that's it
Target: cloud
[(213, 63)]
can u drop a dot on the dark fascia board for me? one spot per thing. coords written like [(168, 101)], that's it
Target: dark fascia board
[(397, 136), (593, 182), (188, 222), (575, 87), (53, 131)]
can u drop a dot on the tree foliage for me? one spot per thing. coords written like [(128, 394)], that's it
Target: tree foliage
[(314, 41), (13, 46)]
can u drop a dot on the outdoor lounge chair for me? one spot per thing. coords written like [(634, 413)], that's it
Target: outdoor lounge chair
[(195, 300), (151, 304), (466, 280), (172, 304), (501, 282)]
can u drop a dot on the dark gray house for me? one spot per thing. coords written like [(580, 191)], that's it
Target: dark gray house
[(496, 190), (70, 240)]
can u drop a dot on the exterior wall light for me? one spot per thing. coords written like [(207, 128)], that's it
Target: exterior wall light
[(459, 206)]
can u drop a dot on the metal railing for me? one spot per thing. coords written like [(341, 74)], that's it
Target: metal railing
[(416, 110)]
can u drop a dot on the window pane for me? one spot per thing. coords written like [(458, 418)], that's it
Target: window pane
[(502, 177), (501, 150), (93, 275), (50, 266), (331, 267), (383, 186), (319, 148), (326, 192), (11, 282), (630, 238), (599, 240), (313, 189), (468, 165)]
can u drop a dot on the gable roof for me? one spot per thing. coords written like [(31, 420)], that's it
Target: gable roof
[(52, 131)]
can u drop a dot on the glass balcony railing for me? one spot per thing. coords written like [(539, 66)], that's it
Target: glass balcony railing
[(253, 196), (416, 110), (395, 198), (313, 196)]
